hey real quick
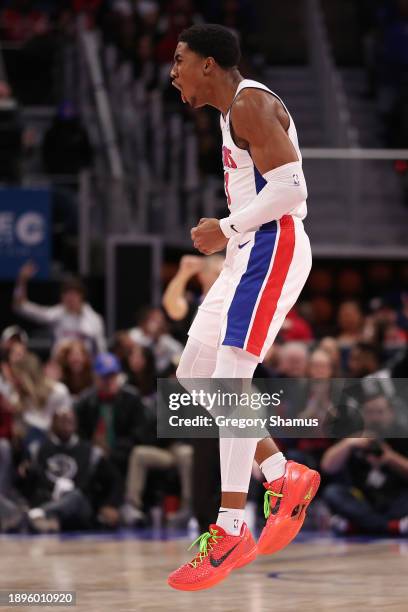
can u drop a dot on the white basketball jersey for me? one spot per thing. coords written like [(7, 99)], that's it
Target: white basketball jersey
[(242, 180)]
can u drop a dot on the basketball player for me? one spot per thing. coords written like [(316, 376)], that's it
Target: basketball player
[(267, 263)]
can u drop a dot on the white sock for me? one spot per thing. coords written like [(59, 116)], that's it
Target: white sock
[(231, 519), (274, 467)]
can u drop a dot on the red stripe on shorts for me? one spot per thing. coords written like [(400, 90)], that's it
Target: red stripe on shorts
[(273, 288)]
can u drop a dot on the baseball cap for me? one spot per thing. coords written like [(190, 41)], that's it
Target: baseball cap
[(105, 364), (14, 331)]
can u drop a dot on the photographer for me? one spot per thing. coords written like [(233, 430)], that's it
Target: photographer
[(371, 492)]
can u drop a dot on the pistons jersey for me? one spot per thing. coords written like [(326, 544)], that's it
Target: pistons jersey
[(242, 180)]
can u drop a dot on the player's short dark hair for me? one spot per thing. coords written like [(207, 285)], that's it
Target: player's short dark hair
[(213, 40)]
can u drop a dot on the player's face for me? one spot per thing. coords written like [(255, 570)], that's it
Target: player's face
[(187, 75)]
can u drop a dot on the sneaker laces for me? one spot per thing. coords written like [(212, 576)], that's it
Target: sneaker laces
[(205, 542), (267, 504)]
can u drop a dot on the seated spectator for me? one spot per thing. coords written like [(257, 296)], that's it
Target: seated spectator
[(141, 370), (33, 397), (122, 345), (295, 328), (350, 322), (10, 514), (75, 363), (371, 493), (330, 346), (152, 332), (293, 359), (381, 328), (69, 483), (111, 414), (14, 341), (363, 360), (318, 397), (144, 458), (71, 318), (5, 446)]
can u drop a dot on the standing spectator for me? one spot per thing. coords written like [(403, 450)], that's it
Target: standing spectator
[(69, 482), (72, 318), (176, 300), (152, 332), (111, 414)]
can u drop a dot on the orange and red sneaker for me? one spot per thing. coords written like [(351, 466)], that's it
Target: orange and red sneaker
[(285, 504), (219, 553)]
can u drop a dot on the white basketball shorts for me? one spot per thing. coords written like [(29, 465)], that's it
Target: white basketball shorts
[(262, 277)]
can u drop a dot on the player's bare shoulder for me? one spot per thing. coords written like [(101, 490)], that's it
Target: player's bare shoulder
[(257, 110)]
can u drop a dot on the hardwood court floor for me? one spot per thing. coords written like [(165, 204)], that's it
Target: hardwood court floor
[(123, 575)]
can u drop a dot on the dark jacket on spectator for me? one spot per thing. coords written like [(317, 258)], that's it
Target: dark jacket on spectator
[(79, 461), (129, 421)]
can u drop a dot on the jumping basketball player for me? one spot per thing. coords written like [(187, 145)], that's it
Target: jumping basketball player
[(268, 261)]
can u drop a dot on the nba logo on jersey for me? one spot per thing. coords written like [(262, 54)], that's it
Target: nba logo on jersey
[(296, 179)]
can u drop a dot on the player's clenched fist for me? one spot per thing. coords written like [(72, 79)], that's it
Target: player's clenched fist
[(208, 237)]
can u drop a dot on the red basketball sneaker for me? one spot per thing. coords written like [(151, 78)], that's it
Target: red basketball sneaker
[(219, 553), (285, 505)]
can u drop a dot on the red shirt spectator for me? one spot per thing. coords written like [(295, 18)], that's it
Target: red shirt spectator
[(295, 328)]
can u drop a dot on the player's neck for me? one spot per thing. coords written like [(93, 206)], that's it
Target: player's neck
[(226, 89)]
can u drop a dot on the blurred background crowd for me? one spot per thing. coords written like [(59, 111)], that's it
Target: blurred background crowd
[(35, 33), (78, 442)]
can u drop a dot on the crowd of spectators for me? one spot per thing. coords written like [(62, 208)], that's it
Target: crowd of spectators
[(78, 432)]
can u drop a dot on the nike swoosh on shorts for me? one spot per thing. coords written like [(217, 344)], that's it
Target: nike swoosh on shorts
[(241, 246)]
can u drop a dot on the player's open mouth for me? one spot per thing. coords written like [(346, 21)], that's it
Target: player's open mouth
[(180, 90)]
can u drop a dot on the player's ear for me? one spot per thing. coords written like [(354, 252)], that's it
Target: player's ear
[(209, 65)]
